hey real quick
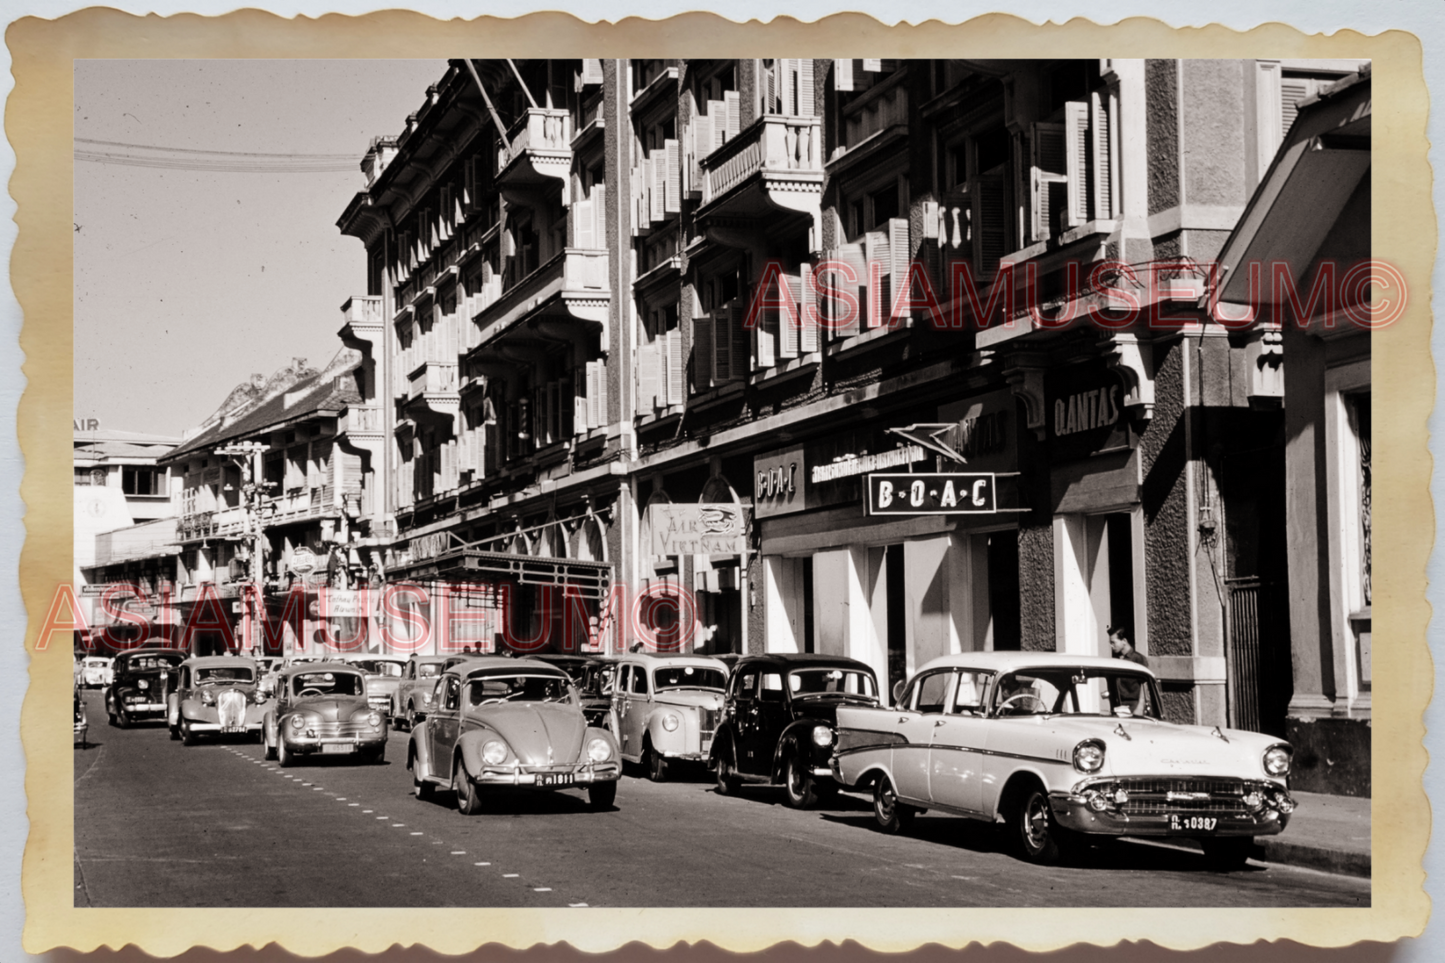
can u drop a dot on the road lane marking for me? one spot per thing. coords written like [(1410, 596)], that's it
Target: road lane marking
[(541, 889), (510, 875), (358, 804), (398, 825), (481, 864), (418, 834), (340, 798), (576, 904), (459, 852), (372, 811), (318, 789)]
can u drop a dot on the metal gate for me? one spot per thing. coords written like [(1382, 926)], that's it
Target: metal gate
[(1260, 677)]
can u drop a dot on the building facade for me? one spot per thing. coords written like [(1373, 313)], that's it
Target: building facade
[(651, 324)]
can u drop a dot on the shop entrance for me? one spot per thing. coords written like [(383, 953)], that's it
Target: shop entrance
[(1096, 580)]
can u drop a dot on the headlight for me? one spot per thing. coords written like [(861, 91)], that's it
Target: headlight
[(142, 684), (297, 722), (494, 753), (822, 736), (669, 722), (208, 697), (374, 719), (1276, 760), (1089, 756), (598, 750), (426, 697)]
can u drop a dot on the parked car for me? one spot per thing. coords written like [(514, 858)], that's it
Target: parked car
[(779, 719), (666, 708), (216, 695), (502, 723), (321, 708), (82, 724), (415, 690), (383, 676), (95, 671), (1062, 748), (140, 680), (592, 675)]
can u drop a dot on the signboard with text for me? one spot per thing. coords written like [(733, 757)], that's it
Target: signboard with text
[(706, 529), (941, 493)]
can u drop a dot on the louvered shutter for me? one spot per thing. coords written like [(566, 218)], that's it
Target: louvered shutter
[(873, 66), (734, 112), (805, 89), (448, 211), (853, 256), (583, 225), (581, 424), (740, 344), (599, 214), (1102, 158), (702, 359), (769, 87), (722, 345), (807, 310), (673, 200), (1048, 178), (787, 328), (990, 214), (591, 72), (658, 184), (676, 371), (647, 378), (1076, 149), (765, 336), (900, 253), (878, 261), (469, 183), (843, 75), (1291, 91)]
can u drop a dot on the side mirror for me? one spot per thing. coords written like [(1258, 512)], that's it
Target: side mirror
[(897, 691)]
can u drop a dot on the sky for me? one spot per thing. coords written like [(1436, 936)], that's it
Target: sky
[(187, 282)]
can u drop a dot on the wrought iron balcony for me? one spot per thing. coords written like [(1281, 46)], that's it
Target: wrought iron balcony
[(777, 162)]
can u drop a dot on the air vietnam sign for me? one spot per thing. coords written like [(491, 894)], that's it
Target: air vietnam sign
[(942, 493), (706, 529)]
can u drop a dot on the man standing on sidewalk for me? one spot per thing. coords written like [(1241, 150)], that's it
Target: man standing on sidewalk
[(1130, 692)]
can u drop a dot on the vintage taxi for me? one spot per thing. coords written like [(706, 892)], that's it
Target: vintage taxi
[(138, 685), (666, 709), (216, 695), (778, 722), (414, 691), (1061, 749), (95, 671), (503, 723), (321, 709), (383, 676)]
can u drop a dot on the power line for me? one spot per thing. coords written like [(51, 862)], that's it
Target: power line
[(214, 161), (224, 153)]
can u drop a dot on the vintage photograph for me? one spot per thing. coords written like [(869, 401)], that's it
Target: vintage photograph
[(723, 483)]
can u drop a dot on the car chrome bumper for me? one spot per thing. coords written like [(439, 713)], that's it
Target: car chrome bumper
[(216, 726), (500, 776), (134, 708), (686, 756), (304, 745), (1073, 812)]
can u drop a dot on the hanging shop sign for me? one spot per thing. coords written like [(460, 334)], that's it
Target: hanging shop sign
[(828, 471), (934, 493), (780, 482), (302, 562), (712, 528), (1084, 413)]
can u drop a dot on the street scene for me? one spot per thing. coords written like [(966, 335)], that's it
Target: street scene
[(760, 482)]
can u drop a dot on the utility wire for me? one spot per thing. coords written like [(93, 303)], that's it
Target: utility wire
[(215, 161)]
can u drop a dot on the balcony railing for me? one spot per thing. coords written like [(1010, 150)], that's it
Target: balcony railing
[(319, 502), (434, 377), (572, 284), (361, 321), (539, 145), (773, 145), (359, 420)]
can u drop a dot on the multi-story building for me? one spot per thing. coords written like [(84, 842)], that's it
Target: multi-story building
[(580, 348)]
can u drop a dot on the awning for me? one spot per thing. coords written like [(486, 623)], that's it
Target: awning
[(592, 580)]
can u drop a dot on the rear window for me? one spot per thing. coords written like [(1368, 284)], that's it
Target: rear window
[(329, 683)]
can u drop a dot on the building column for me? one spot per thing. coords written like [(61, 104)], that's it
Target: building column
[(846, 582), (783, 602)]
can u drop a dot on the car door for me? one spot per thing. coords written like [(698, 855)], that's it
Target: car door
[(745, 718), (443, 723), (955, 760), (636, 698), (769, 719), (921, 713)]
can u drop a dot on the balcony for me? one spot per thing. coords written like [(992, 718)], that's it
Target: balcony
[(432, 395), (300, 506), (360, 423), (547, 304), (195, 526), (537, 155), (362, 323), (775, 164)]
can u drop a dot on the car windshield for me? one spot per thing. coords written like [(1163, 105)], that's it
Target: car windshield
[(520, 688), (226, 673), (827, 681), (688, 677), (428, 670), (143, 663), (329, 683), (386, 667), (1067, 690)]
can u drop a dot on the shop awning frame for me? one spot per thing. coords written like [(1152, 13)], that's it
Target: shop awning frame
[(592, 580)]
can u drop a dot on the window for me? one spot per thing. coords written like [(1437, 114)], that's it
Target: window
[(746, 683), (968, 697), (772, 687), (1072, 155), (929, 691), (639, 680)]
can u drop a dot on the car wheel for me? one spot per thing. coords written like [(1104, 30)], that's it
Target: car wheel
[(188, 737), (655, 763), (410, 716), (798, 783), (122, 720), (469, 801), (270, 752), (377, 756), (1228, 853), (727, 777), (1031, 824), (285, 758), (424, 788), (600, 795), (892, 815)]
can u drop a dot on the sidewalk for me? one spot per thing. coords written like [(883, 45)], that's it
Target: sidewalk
[(1330, 833)]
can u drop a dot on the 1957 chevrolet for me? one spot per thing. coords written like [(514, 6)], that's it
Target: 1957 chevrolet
[(1058, 748)]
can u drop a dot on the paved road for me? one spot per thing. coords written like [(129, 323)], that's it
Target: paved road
[(160, 824)]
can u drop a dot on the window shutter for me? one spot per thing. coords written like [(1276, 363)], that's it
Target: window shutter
[(853, 255), (1291, 91), (765, 335), (591, 72), (877, 259), (739, 342), (990, 214), (1076, 140), (807, 310), (581, 396), (843, 75), (900, 251), (702, 359), (701, 128), (788, 330), (469, 183), (673, 201), (647, 378), (1048, 178), (599, 214), (1103, 160), (719, 118), (554, 411), (583, 225), (734, 111), (805, 89), (873, 66), (769, 88), (722, 345), (676, 373), (658, 184)]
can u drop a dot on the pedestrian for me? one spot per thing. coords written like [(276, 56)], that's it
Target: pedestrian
[(1131, 693)]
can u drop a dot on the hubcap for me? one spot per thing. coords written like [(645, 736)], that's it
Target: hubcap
[(1036, 823), (885, 803)]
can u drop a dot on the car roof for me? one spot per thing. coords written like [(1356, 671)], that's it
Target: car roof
[(800, 659), (1016, 661), (661, 658), (305, 668), (504, 665), (212, 661), (136, 653)]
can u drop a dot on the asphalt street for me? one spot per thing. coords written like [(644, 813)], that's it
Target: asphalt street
[(161, 824)]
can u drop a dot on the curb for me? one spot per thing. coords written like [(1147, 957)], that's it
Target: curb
[(1282, 851)]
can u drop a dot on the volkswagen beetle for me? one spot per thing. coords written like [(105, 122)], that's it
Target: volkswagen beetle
[(510, 723), (322, 709), (216, 695)]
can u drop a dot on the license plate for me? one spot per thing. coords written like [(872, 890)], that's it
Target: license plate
[(231, 729), (554, 779), (339, 749), (1192, 824)]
